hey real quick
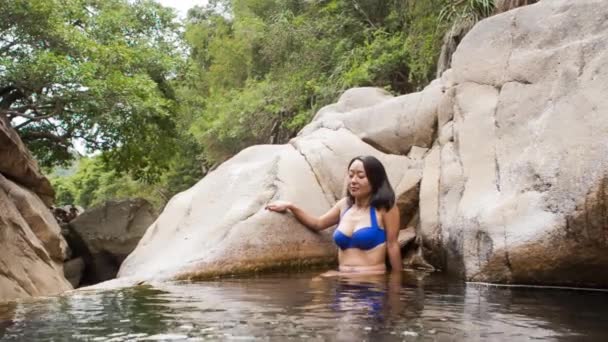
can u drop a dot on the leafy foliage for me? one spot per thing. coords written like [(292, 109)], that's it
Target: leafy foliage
[(167, 104), (93, 184), (91, 71), (266, 66), (466, 12)]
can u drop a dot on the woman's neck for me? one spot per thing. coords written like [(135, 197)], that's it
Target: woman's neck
[(362, 202)]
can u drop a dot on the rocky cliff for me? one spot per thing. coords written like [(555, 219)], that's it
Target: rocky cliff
[(32, 249)]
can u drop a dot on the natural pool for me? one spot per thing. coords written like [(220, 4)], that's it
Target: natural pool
[(301, 306)]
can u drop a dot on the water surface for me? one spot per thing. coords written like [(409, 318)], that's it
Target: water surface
[(302, 306)]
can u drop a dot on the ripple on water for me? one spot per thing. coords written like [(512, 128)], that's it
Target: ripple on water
[(302, 307)]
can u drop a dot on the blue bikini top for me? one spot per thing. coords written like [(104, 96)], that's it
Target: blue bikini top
[(363, 238)]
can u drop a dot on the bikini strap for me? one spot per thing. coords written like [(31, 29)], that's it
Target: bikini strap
[(372, 216)]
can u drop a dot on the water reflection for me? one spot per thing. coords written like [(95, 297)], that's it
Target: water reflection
[(412, 306)]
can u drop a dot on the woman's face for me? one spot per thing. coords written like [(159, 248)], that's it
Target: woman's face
[(358, 184)]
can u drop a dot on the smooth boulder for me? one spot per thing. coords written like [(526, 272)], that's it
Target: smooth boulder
[(106, 234), (32, 247), (220, 226), (520, 192)]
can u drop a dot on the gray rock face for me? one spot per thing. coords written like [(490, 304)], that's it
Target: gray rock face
[(103, 236), (74, 270), (520, 192), (220, 225), (390, 124)]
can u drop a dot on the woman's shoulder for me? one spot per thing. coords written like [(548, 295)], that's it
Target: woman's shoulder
[(382, 211), (342, 203)]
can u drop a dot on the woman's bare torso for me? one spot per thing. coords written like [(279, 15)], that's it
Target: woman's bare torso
[(354, 259)]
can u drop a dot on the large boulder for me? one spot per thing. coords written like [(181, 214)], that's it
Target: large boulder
[(220, 225), (106, 234), (523, 150), (390, 124), (32, 248), (38, 217), (74, 270)]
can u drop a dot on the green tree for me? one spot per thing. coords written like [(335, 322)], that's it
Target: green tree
[(265, 67), (93, 71), (170, 106), (93, 183)]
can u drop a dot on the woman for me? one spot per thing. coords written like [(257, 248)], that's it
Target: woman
[(367, 218)]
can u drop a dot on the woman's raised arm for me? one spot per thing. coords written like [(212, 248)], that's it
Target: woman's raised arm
[(326, 220)]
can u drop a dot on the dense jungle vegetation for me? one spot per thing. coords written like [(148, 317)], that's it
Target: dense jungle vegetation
[(156, 102)]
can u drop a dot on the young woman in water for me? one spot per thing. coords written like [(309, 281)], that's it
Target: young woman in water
[(367, 218)]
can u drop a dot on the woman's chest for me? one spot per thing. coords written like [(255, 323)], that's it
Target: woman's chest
[(352, 222)]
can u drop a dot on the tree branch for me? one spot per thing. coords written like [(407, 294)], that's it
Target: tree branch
[(90, 141), (21, 125), (358, 8), (19, 112), (15, 113), (29, 136)]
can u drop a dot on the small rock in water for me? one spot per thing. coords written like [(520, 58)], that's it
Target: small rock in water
[(409, 333), (432, 331), (368, 328)]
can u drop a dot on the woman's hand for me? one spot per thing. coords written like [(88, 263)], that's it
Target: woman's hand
[(315, 223), (278, 206)]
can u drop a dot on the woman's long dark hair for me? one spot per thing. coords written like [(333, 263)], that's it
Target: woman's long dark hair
[(383, 195)]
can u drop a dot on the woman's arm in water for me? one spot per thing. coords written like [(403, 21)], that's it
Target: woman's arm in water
[(326, 220), (391, 221)]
